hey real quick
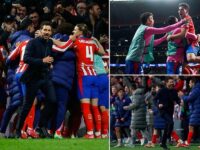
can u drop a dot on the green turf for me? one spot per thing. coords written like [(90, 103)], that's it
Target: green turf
[(54, 144), (138, 147)]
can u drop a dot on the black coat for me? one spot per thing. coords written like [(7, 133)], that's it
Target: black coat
[(167, 97), (35, 51)]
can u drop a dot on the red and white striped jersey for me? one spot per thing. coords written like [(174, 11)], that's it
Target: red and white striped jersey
[(19, 51), (84, 49)]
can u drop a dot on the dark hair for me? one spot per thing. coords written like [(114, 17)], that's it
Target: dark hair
[(24, 3), (45, 23), (66, 3), (33, 11), (195, 79), (80, 1), (120, 89), (134, 86), (169, 78), (171, 20), (184, 5), (9, 18), (91, 5), (25, 23), (65, 28), (144, 17), (83, 27)]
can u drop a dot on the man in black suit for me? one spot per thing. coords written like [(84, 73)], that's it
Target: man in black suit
[(38, 55), (166, 97)]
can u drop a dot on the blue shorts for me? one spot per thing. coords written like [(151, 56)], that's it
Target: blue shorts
[(103, 90), (193, 49), (133, 67), (87, 87)]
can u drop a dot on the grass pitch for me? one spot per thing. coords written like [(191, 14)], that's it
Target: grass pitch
[(138, 147), (54, 144)]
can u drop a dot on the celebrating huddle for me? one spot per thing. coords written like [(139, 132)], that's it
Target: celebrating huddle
[(182, 42)]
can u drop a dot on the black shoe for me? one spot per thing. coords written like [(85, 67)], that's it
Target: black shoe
[(18, 134), (164, 147), (43, 133)]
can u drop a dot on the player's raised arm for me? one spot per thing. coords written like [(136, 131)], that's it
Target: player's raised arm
[(63, 46)]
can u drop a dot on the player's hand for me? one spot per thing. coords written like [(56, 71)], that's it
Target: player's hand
[(72, 37), (48, 60), (169, 38), (198, 37), (95, 39), (150, 111), (122, 119), (186, 20), (182, 103), (160, 105), (125, 107), (46, 10), (38, 33)]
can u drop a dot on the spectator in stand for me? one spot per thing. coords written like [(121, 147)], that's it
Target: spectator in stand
[(8, 27), (81, 8), (94, 12), (21, 12), (34, 16), (67, 11)]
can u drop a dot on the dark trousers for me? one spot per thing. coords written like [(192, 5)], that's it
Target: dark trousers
[(62, 95), (47, 88), (112, 126), (7, 115), (168, 126), (185, 126)]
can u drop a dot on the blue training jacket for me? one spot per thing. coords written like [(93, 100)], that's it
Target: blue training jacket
[(64, 65)]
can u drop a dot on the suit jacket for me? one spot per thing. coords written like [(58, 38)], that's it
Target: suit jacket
[(35, 51)]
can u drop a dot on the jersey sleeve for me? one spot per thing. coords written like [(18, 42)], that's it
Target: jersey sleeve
[(154, 30), (67, 45), (96, 47)]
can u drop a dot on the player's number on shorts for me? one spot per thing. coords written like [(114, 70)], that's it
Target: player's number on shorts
[(89, 52)]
